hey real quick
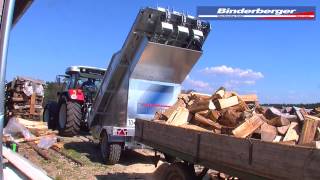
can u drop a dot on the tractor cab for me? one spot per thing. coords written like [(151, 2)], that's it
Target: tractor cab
[(82, 78)]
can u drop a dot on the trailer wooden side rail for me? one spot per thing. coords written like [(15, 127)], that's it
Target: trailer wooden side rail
[(243, 158)]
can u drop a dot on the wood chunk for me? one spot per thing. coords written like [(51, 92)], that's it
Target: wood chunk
[(205, 121), (159, 116), (204, 113), (273, 112), (279, 121), (309, 129), (179, 117), (202, 106), (248, 127), (249, 98), (230, 117), (292, 133), (228, 102), (298, 113), (283, 129), (180, 103), (214, 115), (277, 139), (220, 93), (268, 132)]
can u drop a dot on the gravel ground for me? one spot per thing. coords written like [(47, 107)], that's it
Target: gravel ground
[(135, 164)]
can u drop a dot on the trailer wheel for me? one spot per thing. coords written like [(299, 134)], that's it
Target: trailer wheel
[(50, 114), (179, 171), (70, 115), (110, 152)]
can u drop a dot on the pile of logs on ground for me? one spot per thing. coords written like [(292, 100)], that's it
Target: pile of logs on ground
[(24, 98), (39, 132), (241, 116)]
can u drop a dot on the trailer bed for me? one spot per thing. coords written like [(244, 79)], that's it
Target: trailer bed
[(244, 158)]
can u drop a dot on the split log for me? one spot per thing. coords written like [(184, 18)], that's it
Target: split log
[(273, 113), (268, 132), (277, 139), (309, 129), (179, 117), (230, 117), (201, 105), (248, 127), (214, 115), (283, 129), (180, 103), (279, 121), (228, 102), (298, 113), (200, 119), (292, 133)]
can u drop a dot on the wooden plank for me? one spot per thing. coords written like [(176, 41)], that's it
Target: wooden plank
[(24, 166), (278, 161), (268, 132), (292, 133), (227, 102), (248, 127), (309, 129)]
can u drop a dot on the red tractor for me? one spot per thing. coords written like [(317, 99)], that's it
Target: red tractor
[(70, 112)]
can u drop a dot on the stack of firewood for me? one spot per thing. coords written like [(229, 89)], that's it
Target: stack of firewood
[(241, 116), (24, 97)]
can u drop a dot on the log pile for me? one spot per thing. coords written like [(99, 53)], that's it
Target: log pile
[(24, 98), (241, 116)]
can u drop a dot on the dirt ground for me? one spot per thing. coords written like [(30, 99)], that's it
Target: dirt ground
[(137, 164)]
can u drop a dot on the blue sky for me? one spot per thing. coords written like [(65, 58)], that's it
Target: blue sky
[(278, 60)]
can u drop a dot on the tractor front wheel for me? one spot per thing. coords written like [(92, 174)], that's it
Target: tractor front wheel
[(70, 115)]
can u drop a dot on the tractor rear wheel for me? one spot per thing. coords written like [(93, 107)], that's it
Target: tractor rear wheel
[(70, 115)]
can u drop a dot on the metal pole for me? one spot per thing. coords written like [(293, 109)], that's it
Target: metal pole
[(6, 21)]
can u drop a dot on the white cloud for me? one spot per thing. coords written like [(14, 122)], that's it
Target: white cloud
[(198, 84), (230, 71)]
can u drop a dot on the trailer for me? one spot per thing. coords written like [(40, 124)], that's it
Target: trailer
[(242, 158), (144, 76)]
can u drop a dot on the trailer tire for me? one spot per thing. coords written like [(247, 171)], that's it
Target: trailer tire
[(50, 114), (70, 115), (110, 152), (179, 171)]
